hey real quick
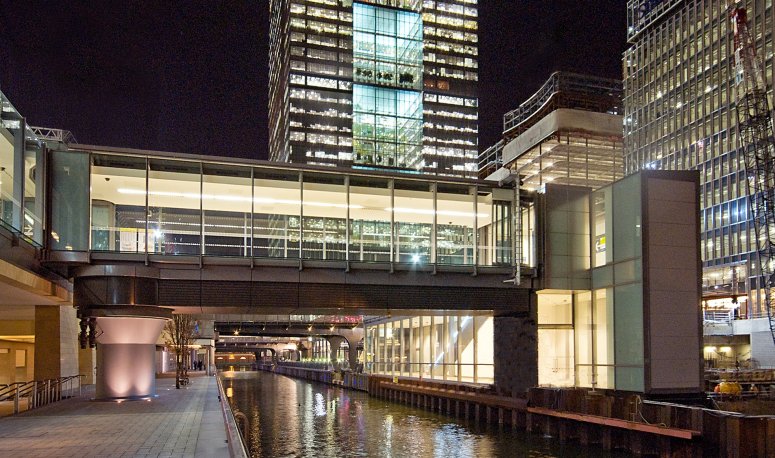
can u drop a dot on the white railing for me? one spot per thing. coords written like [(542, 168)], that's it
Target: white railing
[(59, 135), (718, 316)]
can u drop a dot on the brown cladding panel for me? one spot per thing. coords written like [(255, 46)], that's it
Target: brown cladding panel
[(328, 295), (232, 293), (179, 292)]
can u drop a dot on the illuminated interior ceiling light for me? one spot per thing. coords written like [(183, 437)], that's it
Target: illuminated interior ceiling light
[(416, 258), (236, 332), (419, 211), (262, 200), (547, 179)]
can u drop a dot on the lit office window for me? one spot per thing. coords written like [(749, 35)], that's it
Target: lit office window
[(118, 204)]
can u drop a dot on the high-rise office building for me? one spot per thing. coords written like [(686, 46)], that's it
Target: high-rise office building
[(679, 81), (375, 83)]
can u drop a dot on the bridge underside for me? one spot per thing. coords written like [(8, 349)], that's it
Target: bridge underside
[(229, 289)]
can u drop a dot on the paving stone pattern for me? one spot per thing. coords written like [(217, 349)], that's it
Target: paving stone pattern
[(178, 423)]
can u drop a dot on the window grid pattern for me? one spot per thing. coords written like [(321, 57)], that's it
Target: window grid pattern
[(387, 47), (680, 114), (387, 127)]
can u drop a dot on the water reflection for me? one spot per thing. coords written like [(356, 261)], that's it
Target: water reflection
[(296, 418)]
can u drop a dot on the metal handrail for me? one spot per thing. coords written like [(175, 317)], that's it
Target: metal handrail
[(237, 443), (40, 392)]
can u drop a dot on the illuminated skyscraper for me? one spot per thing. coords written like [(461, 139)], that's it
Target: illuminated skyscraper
[(375, 83), (679, 102)]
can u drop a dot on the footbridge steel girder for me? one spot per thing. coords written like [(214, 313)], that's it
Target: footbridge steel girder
[(237, 289)]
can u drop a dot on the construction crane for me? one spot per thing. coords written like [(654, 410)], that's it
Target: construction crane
[(757, 144)]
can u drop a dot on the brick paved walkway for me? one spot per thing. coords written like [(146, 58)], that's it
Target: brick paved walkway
[(185, 422)]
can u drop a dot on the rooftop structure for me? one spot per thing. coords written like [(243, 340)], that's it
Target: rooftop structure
[(564, 90), (568, 132)]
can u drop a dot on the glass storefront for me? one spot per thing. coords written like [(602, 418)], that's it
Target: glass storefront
[(454, 348), (164, 206)]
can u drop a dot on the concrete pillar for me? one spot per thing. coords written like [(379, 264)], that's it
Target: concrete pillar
[(335, 342), (87, 365), (211, 359), (126, 351), (56, 341), (516, 352), (352, 355)]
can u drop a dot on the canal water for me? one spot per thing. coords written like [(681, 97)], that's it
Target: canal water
[(296, 418)]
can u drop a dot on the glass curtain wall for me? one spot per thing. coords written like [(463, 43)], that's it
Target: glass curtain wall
[(34, 191), (414, 218), (8, 203), (556, 338), (495, 226), (387, 47), (387, 127), (370, 219), (455, 222), (276, 213), (387, 120), (455, 348), (22, 184), (118, 201), (174, 207), (226, 210), (170, 207), (324, 206)]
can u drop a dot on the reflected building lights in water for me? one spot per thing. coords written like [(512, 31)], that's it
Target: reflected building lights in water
[(296, 418)]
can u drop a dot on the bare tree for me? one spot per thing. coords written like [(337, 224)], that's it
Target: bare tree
[(178, 334)]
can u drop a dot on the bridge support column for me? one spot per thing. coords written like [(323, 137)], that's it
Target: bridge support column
[(516, 352), (335, 342), (56, 342), (126, 351)]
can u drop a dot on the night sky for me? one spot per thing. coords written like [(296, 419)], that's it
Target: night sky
[(192, 76)]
